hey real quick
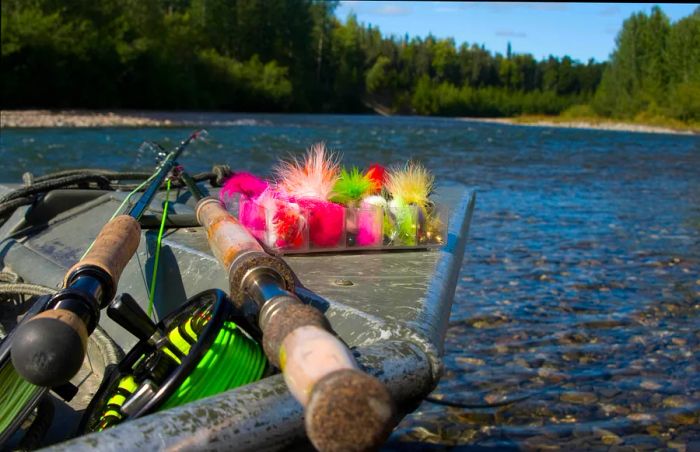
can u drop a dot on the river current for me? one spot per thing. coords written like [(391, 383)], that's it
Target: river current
[(576, 320)]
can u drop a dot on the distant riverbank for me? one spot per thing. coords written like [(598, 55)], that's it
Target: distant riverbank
[(136, 118), (85, 118), (592, 124)]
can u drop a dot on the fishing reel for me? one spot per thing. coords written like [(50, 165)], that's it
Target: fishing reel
[(195, 352)]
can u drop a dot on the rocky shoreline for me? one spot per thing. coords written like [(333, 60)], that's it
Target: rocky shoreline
[(128, 118), (607, 125), (81, 118)]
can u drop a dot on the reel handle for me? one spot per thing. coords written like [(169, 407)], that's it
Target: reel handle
[(127, 313)]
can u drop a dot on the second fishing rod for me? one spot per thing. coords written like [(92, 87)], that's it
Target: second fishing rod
[(48, 349), (344, 408)]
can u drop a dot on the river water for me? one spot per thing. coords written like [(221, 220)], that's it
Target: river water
[(576, 321)]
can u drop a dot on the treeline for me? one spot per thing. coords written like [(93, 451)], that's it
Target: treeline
[(654, 70), (294, 55)]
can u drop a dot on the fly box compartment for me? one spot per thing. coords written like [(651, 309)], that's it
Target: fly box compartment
[(288, 227)]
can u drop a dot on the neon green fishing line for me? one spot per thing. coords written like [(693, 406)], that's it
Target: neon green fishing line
[(232, 360), (152, 294), (15, 393)]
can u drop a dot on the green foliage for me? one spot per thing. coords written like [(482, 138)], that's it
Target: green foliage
[(582, 111), (294, 55), (379, 76), (446, 99), (654, 71), (685, 101), (236, 85)]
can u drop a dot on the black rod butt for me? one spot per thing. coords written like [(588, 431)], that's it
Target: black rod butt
[(49, 348)]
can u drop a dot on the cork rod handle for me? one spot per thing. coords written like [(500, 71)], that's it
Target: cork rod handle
[(113, 248)]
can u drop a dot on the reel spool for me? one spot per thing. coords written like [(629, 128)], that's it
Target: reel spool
[(192, 353)]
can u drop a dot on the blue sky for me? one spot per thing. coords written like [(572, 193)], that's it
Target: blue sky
[(580, 30)]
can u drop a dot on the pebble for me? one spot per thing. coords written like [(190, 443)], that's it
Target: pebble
[(548, 372), (495, 397), (614, 409), (675, 401), (684, 418), (475, 417), (469, 360), (651, 385), (607, 437), (423, 434), (539, 443), (584, 398), (640, 417)]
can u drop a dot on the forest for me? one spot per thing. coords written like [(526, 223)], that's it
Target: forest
[(296, 56)]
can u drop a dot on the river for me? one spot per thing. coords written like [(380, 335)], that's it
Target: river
[(578, 304)]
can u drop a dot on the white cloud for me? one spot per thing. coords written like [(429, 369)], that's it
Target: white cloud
[(510, 6), (511, 34), (392, 10)]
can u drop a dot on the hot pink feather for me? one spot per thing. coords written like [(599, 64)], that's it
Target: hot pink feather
[(326, 221), (244, 183), (312, 178), (369, 225)]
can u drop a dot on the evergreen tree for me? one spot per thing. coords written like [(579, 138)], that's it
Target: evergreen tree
[(295, 55)]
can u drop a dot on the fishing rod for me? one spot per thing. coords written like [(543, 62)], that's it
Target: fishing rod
[(345, 408), (48, 349)]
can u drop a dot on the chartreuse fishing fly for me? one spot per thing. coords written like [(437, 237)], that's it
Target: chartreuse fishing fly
[(412, 184), (410, 187), (351, 187)]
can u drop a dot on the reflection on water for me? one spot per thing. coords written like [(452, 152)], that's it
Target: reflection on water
[(578, 309)]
